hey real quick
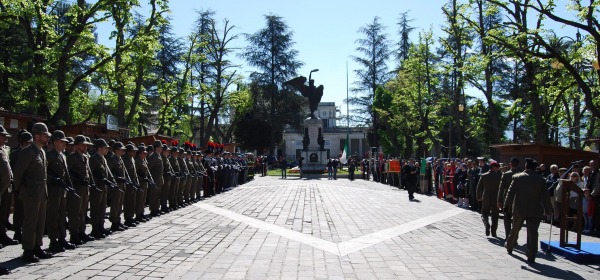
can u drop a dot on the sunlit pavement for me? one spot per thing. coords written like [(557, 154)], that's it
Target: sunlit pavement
[(272, 228)]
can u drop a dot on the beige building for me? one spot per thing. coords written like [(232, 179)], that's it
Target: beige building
[(334, 135)]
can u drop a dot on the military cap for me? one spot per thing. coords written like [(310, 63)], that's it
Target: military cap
[(111, 142), (174, 149), (494, 163), (118, 146), (165, 147), (4, 132), (157, 143), (40, 128), (149, 148), (480, 158), (88, 139), (101, 143), (80, 139), (142, 149), (130, 147), (182, 151), (71, 140), (58, 135)]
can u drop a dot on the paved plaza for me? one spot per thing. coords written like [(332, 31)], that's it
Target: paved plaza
[(272, 228)]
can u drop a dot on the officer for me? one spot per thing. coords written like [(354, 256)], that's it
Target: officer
[(79, 169), (25, 139), (155, 165), (504, 184), (104, 182), (30, 184), (58, 183), (168, 176), (529, 198), (145, 179), (487, 194), (185, 178), (6, 177), (176, 180), (131, 186), (117, 168)]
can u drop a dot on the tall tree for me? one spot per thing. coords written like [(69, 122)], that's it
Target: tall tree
[(270, 49), (404, 30), (374, 49)]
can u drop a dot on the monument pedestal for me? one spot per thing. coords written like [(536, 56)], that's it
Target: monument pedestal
[(313, 151)]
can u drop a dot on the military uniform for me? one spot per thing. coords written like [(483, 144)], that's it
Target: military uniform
[(101, 173), (155, 166), (529, 198), (131, 189), (31, 185), (175, 181), (58, 182), (487, 193), (504, 184), (6, 177), (117, 195), (145, 178), (168, 177), (185, 178), (79, 169), (9, 197)]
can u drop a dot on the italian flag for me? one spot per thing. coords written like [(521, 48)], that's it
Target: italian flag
[(344, 158)]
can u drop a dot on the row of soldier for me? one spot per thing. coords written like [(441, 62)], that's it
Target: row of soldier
[(57, 178)]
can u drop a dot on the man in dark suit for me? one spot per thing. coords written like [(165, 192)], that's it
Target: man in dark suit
[(30, 183), (487, 194), (529, 198), (504, 184)]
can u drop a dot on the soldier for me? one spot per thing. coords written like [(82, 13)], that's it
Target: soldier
[(145, 180), (117, 168), (168, 177), (487, 194), (529, 198), (187, 195), (79, 169), (208, 185), (201, 173), (6, 177), (504, 184), (105, 181), (25, 139), (131, 186), (184, 174), (155, 166), (176, 180), (30, 185), (58, 183)]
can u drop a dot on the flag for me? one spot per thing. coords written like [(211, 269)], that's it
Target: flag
[(344, 158)]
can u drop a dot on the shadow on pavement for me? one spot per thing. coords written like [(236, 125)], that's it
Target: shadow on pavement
[(14, 263), (550, 271)]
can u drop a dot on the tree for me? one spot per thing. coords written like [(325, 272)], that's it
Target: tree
[(270, 50), (404, 30), (375, 50)]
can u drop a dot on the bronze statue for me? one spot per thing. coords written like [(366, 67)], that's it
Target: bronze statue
[(313, 93)]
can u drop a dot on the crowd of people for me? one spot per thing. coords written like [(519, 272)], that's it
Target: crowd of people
[(55, 181), (531, 194)]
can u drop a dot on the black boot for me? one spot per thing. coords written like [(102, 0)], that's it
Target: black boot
[(18, 236), (7, 241), (66, 244), (55, 247), (29, 257), (38, 252), (85, 238)]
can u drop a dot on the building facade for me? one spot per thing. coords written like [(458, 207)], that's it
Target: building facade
[(334, 136)]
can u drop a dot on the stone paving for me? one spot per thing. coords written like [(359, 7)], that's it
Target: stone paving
[(272, 228)]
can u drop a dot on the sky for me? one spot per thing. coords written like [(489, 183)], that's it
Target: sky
[(324, 31)]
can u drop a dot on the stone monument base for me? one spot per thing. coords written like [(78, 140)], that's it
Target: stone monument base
[(315, 162)]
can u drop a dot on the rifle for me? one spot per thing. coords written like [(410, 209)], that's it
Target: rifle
[(108, 182), (148, 178), (85, 181), (129, 182), (59, 181)]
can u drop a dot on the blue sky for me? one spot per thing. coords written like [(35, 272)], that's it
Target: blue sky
[(324, 31)]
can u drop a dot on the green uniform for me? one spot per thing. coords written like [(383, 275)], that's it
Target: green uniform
[(117, 168), (79, 170), (101, 173), (130, 191), (168, 181), (183, 182), (56, 211), (143, 174), (175, 181), (504, 184), (30, 184), (155, 166), (487, 193), (6, 176)]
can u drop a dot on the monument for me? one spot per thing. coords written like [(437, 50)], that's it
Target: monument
[(313, 142)]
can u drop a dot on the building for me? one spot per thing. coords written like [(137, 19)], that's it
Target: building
[(334, 136)]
